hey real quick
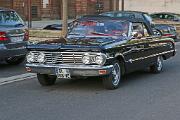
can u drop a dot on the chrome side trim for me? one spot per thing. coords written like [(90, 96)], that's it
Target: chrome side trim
[(150, 56)]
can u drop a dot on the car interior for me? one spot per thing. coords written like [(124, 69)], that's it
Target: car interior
[(139, 31)]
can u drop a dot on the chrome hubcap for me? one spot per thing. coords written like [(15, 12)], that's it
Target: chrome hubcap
[(116, 74)]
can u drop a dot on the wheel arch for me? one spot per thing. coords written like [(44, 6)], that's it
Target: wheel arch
[(164, 57), (121, 60)]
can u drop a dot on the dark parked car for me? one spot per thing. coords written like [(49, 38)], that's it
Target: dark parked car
[(53, 27), (105, 48), (13, 37), (56, 26), (131, 15), (167, 31), (166, 16)]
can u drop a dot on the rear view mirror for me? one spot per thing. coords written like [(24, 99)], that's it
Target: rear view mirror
[(157, 32)]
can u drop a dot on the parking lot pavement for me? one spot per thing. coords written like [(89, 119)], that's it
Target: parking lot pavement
[(11, 70), (177, 43)]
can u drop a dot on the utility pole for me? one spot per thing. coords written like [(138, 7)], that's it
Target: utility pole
[(29, 14), (65, 18), (114, 5), (122, 5)]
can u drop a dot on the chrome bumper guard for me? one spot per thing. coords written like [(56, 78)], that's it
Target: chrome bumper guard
[(75, 70)]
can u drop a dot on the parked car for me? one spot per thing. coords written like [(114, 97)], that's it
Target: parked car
[(167, 31), (56, 26), (104, 48), (13, 37), (158, 29), (53, 27), (130, 14), (166, 16)]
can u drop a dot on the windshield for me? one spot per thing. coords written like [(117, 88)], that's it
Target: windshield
[(95, 28), (10, 18)]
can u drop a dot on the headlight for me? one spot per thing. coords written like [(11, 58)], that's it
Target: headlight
[(41, 57), (30, 57), (94, 58), (86, 59), (100, 59)]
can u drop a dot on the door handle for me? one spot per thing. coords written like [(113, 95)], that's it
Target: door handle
[(134, 48)]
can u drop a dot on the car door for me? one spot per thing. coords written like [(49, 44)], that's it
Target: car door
[(137, 49)]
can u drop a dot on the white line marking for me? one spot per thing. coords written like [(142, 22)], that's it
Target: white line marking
[(17, 78)]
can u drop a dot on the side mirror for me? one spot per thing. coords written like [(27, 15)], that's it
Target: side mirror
[(157, 33)]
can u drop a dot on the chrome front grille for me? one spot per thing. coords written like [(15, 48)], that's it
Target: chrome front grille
[(62, 57)]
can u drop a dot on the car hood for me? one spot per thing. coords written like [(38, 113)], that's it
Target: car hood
[(75, 44)]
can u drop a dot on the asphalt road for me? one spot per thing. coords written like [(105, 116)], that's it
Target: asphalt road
[(11, 70), (141, 96)]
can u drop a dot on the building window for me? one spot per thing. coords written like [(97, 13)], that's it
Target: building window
[(45, 3)]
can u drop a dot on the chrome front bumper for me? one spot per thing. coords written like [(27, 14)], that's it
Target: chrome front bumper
[(75, 70)]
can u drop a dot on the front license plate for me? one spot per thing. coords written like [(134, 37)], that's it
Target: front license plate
[(17, 39), (63, 73)]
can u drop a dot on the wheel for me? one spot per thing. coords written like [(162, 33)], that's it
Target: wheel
[(15, 60), (112, 81), (46, 80), (158, 66)]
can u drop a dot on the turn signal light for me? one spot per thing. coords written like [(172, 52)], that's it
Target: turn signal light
[(26, 35), (102, 72), (28, 69), (3, 36)]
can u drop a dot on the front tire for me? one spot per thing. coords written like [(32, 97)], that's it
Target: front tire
[(46, 80), (112, 81), (158, 66)]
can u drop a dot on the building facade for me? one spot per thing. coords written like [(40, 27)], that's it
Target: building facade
[(52, 9), (21, 7)]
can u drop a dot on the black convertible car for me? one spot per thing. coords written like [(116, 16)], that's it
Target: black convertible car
[(105, 48)]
